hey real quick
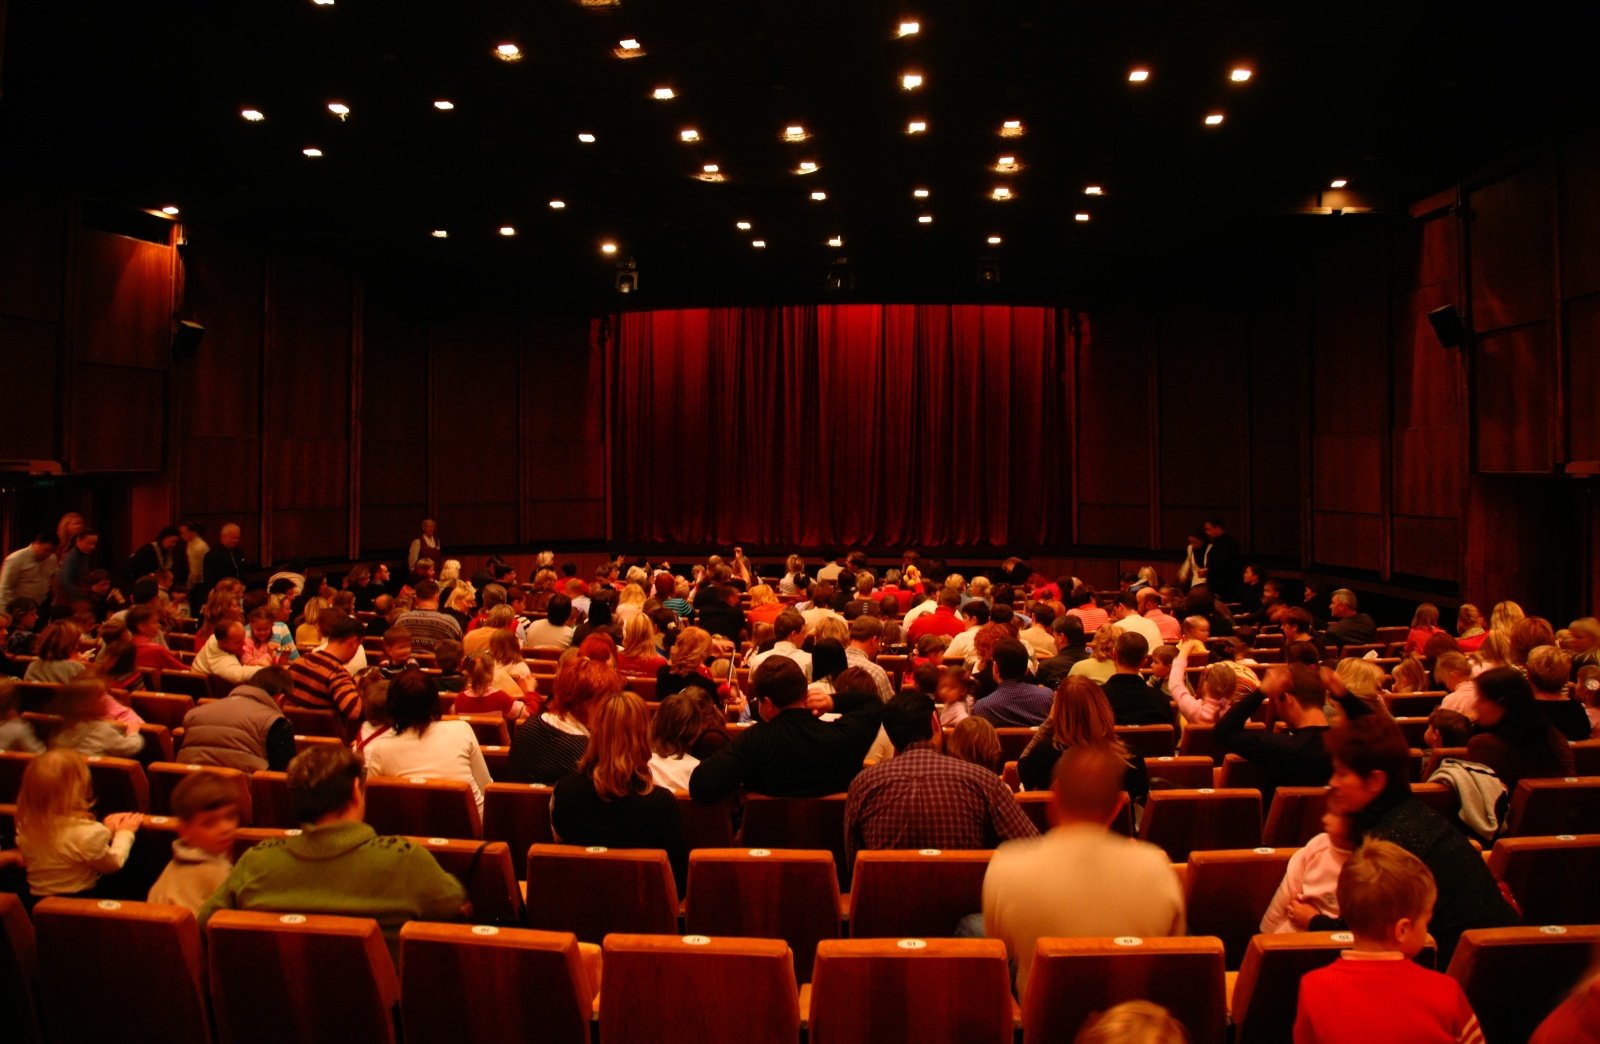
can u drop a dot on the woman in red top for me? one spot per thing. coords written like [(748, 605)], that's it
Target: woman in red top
[(764, 606), (1424, 625), (639, 655), (1470, 632), (144, 624)]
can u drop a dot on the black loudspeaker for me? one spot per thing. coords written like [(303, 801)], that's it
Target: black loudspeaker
[(1448, 327), (186, 339)]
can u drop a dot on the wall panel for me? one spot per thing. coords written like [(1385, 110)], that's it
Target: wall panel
[(1516, 412), (1512, 260)]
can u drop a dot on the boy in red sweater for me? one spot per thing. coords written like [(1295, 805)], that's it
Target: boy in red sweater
[(1374, 992)]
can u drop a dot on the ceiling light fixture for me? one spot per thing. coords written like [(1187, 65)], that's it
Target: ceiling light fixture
[(1094, 190), (323, 3), (919, 193), (629, 48), (916, 126), (924, 219), (1338, 183), (1007, 165), (1240, 75), (711, 168), (795, 132), (1138, 75), (444, 106), (908, 28), (1080, 216), (339, 109), (993, 241), (508, 52), (836, 241), (688, 134), (910, 81), (558, 204), (170, 210), (312, 152), (742, 226), (253, 115), (508, 230), (1214, 119), (1000, 192), (1011, 129), (663, 94), (807, 167), (819, 196), (608, 247), (440, 233), (759, 244), (586, 138)]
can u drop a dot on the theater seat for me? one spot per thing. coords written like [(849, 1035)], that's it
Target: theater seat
[(535, 979), (490, 729), (706, 824), (19, 971), (1553, 878), (771, 822), (1267, 991), (1152, 741), (187, 683), (1241, 774), (1586, 757), (161, 708), (1013, 741), (270, 805), (422, 806), (595, 891), (1295, 816), (164, 777), (1555, 806), (299, 977), (13, 763), (519, 815), (119, 785), (1182, 821), (1072, 979), (1226, 893), (765, 893), (915, 894), (1201, 741), (697, 988), (867, 991), (313, 721), (132, 965), (1414, 704), (1514, 977), (1184, 772), (486, 869)]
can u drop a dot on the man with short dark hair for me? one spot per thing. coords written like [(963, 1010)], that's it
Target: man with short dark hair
[(866, 634), (1350, 626), (941, 620), (1071, 648), (1295, 758), (246, 730), (1125, 614), (791, 753), (28, 571), (1041, 635), (1224, 562), (1015, 702), (554, 631), (72, 580), (321, 680), (1133, 702), (337, 864), (720, 613), (1167, 625), (922, 799), (426, 623), (789, 631)]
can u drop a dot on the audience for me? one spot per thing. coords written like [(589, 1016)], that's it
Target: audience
[(1217, 686), (66, 851), (687, 664), (1101, 662), (245, 730), (87, 728), (223, 654), (426, 623), (1133, 702), (419, 744), (1549, 667), (1310, 882), (1350, 626), (1015, 702), (789, 632), (206, 805), (1512, 737), (321, 680), (1079, 879), (548, 746), (1295, 758), (866, 636), (976, 740), (1080, 716)]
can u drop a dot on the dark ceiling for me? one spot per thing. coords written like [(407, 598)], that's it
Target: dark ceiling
[(139, 104)]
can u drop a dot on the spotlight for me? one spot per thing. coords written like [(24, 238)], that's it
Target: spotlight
[(170, 211), (508, 52), (626, 280)]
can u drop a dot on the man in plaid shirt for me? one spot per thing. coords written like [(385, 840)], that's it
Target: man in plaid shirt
[(922, 798)]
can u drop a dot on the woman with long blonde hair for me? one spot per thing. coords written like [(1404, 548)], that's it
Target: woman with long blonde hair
[(1080, 716), (612, 800), (1505, 616), (687, 664), (639, 642)]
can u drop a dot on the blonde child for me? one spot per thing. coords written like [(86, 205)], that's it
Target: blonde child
[(484, 693), (1196, 632), (207, 807), (1375, 991), (1310, 882), (65, 849)]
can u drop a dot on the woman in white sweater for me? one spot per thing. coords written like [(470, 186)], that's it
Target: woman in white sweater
[(419, 744)]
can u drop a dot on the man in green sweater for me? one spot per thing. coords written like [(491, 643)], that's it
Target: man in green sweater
[(338, 865)]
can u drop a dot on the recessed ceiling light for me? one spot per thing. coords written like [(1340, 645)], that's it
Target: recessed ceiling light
[(1007, 165), (994, 240), (688, 134), (558, 204), (630, 44), (440, 233), (1080, 216), (170, 210), (910, 81), (819, 196), (742, 226), (1138, 75), (1000, 192), (663, 94), (1094, 190), (794, 132), (312, 153), (253, 115), (924, 219), (323, 3), (919, 193), (908, 29), (339, 109), (759, 244), (710, 168), (629, 48), (806, 167), (1214, 119), (916, 126), (1011, 129), (508, 230), (508, 52), (608, 247), (444, 106), (1338, 183), (586, 138), (1240, 75), (836, 241)]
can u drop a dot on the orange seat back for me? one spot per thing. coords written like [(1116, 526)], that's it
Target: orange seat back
[(698, 988), (592, 892), (1514, 977), (1072, 979), (1152, 741), (1183, 821), (1545, 807), (1553, 878), (915, 894), (119, 785), (1183, 771), (869, 990), (1295, 816), (270, 805), (1266, 994), (773, 822), (764, 893), (1227, 892), (19, 971), (164, 777), (706, 824), (519, 815), (535, 979), (422, 806)]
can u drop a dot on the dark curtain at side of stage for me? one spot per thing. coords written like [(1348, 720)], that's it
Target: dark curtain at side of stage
[(884, 425)]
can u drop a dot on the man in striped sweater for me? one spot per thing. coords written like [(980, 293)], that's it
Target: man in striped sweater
[(321, 681)]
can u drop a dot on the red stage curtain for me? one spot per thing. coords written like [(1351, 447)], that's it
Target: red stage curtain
[(816, 425)]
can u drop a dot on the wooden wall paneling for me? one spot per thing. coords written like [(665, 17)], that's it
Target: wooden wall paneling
[(1583, 377), (124, 294), (1202, 419), (474, 361), (1516, 414), (28, 422), (1275, 389), (1114, 430), (1580, 215), (33, 224), (1512, 264), (565, 432), (1518, 539), (394, 429), (119, 418)]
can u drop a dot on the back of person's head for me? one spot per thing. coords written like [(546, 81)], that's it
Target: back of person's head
[(599, 645), (82, 699), (930, 646), (558, 609), (1549, 667), (1305, 687), (1080, 715), (975, 740), (479, 672), (689, 652), (447, 656), (827, 659), (499, 616), (1219, 682), (1088, 784), (677, 724), (55, 789), (427, 590), (1373, 743), (788, 623), (505, 648), (1133, 1022), (925, 678), (1003, 615), (865, 582), (1299, 619), (1070, 628), (494, 595), (58, 641), (203, 791), (397, 637), (617, 757), (322, 781), (977, 611), (908, 718), (1409, 676), (1468, 617), (1043, 615), (1104, 646), (341, 629), (581, 681), (780, 681), (1437, 645), (949, 598), (1527, 635), (1427, 615), (1010, 659), (1381, 885), (1347, 598), (1507, 689), (1361, 677), (1505, 616), (865, 628), (274, 681), (413, 701), (1132, 647), (1453, 727), (1451, 665), (855, 680)]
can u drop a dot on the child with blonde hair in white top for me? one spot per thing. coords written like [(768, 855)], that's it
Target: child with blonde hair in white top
[(65, 848)]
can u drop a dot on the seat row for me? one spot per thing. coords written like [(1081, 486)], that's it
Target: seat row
[(272, 977)]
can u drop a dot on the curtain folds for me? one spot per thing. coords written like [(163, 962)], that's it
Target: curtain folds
[(817, 425)]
